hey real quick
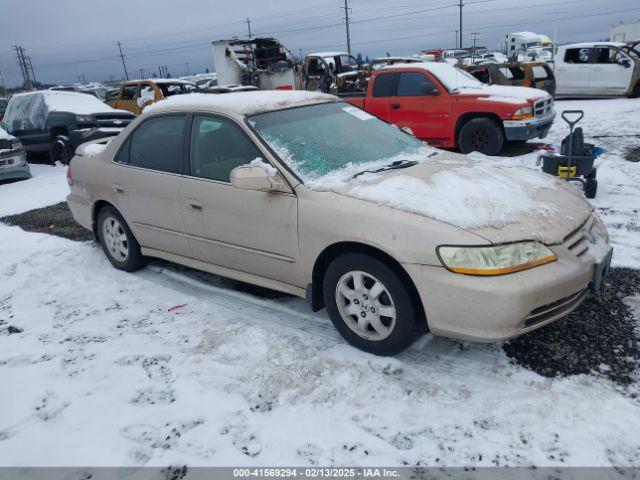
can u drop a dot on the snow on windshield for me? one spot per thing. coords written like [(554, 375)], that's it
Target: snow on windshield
[(328, 143)]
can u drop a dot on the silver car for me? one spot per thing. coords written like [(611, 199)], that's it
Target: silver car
[(303, 193), (13, 158)]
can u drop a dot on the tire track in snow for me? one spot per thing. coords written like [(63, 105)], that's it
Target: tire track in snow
[(462, 360)]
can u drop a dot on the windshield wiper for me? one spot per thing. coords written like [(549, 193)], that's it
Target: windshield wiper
[(392, 166)]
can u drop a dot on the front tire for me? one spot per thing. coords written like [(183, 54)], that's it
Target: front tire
[(118, 242), (481, 135), (60, 151), (370, 305)]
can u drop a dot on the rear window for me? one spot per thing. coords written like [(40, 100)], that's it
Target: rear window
[(577, 55), (384, 85), (129, 92), (157, 144)]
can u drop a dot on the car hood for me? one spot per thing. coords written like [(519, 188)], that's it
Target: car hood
[(498, 202), (507, 94)]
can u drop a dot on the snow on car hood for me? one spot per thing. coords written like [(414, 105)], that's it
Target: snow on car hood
[(505, 94), (498, 202)]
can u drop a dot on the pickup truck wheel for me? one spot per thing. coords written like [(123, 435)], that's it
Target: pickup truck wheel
[(481, 135), (370, 305), (60, 151), (118, 242)]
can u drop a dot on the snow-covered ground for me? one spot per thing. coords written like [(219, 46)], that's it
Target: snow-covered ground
[(105, 372)]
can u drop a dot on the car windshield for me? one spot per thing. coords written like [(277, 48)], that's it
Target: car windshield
[(329, 138)]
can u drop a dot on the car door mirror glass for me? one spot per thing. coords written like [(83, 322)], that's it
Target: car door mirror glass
[(430, 89), (255, 177), (624, 62)]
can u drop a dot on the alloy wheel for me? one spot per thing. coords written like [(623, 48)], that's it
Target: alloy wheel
[(115, 239), (365, 305)]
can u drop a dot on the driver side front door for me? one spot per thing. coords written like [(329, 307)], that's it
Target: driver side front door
[(242, 230)]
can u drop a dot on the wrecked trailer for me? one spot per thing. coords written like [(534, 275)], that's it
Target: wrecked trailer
[(260, 62)]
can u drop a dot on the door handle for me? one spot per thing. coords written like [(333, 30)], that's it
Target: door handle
[(119, 189), (194, 205), (395, 106)]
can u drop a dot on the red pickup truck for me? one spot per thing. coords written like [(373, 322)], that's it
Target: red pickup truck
[(449, 108)]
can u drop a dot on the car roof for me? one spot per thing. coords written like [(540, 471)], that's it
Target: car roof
[(172, 81), (240, 103), (595, 44), (327, 54)]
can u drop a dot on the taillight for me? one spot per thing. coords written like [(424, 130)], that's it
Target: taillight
[(69, 177)]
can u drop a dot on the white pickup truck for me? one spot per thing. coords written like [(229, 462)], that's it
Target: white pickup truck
[(599, 69)]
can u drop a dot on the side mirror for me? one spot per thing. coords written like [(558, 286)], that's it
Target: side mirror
[(255, 177), (430, 89), (624, 62)]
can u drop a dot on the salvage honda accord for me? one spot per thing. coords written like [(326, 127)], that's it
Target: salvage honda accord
[(303, 193)]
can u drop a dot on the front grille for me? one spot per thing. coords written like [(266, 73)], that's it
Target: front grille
[(554, 309), (113, 120), (543, 107), (577, 241), (7, 162)]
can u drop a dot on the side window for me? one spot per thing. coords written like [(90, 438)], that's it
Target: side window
[(123, 154), (577, 55), (147, 95), (218, 146), (157, 144), (414, 84), (540, 73), (129, 92), (605, 55), (384, 84)]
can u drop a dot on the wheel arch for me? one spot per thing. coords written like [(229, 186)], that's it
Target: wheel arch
[(465, 117), (95, 211), (59, 130), (314, 289)]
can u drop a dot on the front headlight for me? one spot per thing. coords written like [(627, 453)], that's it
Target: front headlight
[(494, 260), (522, 113), (85, 119)]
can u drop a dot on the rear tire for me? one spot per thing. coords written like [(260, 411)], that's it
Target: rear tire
[(370, 305), (118, 243), (481, 135)]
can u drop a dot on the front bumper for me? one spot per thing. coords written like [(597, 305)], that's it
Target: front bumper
[(536, 127), (14, 166), (489, 309)]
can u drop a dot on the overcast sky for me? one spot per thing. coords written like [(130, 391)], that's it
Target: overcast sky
[(68, 38)]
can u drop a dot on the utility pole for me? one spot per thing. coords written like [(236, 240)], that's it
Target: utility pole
[(35, 82), (4, 86), (347, 9), (24, 67), (126, 74), (142, 74), (460, 5), (555, 34), (188, 73), (474, 36), (456, 38), (248, 20)]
